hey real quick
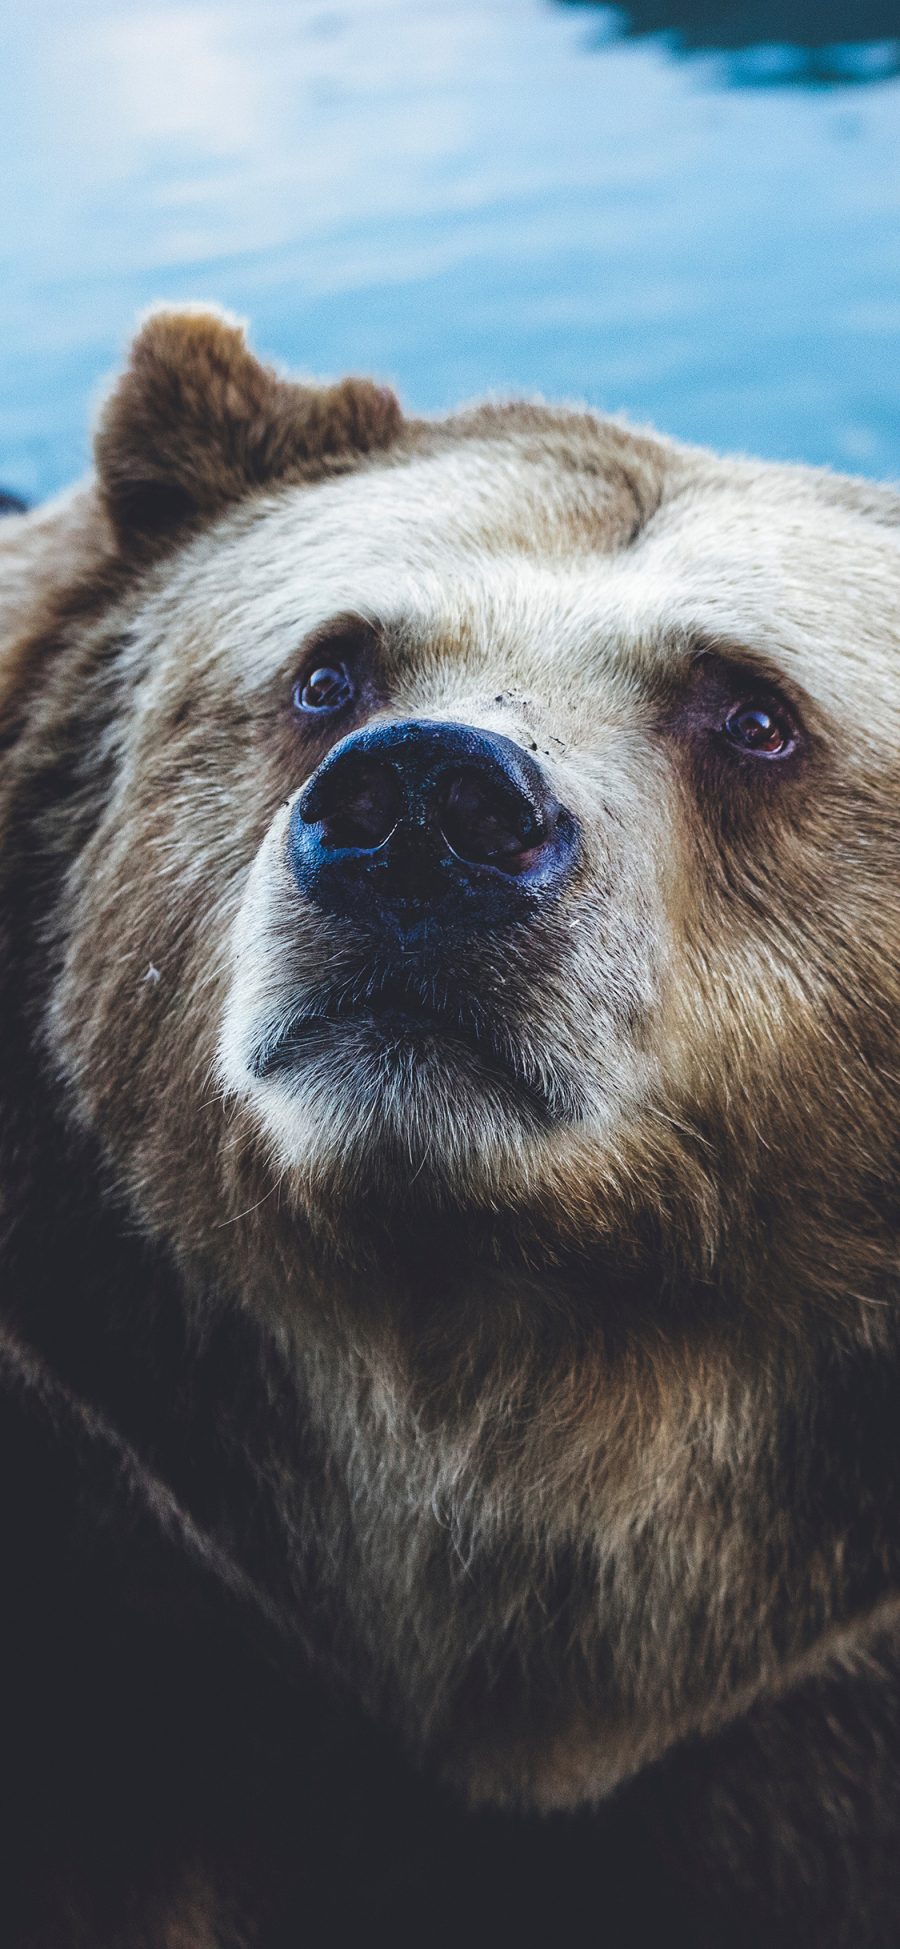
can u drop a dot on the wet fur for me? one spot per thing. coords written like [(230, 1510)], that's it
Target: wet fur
[(567, 1449)]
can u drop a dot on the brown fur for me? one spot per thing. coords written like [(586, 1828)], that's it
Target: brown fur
[(575, 1435), (196, 421)]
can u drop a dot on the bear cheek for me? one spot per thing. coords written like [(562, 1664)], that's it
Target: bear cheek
[(134, 1012)]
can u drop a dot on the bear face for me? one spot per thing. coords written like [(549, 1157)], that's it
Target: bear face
[(473, 946), (696, 658)]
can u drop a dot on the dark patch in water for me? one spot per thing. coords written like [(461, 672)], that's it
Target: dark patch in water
[(800, 43)]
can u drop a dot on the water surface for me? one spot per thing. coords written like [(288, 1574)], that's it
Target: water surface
[(689, 213)]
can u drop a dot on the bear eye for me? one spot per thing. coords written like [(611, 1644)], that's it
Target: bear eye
[(765, 730), (328, 688)]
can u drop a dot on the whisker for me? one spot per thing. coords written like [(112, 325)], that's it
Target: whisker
[(251, 1208)]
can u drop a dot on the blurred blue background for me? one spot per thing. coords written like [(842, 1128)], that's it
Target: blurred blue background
[(689, 213)]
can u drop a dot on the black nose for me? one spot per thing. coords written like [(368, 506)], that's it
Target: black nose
[(419, 821)]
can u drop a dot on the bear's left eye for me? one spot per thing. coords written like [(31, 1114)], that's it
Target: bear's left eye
[(327, 688), (765, 729)]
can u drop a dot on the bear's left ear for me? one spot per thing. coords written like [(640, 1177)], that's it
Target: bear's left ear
[(195, 422)]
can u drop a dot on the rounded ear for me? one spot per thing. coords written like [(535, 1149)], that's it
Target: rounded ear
[(195, 422)]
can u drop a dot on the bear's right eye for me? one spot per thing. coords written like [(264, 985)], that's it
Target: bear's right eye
[(327, 688), (337, 668)]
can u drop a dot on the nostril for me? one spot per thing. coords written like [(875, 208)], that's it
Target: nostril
[(487, 825), (361, 810)]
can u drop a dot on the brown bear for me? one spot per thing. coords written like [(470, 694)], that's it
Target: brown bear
[(448, 1133)]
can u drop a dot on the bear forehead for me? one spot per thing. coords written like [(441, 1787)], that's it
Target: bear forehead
[(543, 556)]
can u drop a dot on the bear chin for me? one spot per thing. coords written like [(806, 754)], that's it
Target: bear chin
[(402, 1109)]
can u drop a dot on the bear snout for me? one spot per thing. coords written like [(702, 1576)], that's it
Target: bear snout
[(420, 824)]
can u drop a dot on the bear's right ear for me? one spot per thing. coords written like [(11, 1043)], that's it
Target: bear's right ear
[(195, 422)]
